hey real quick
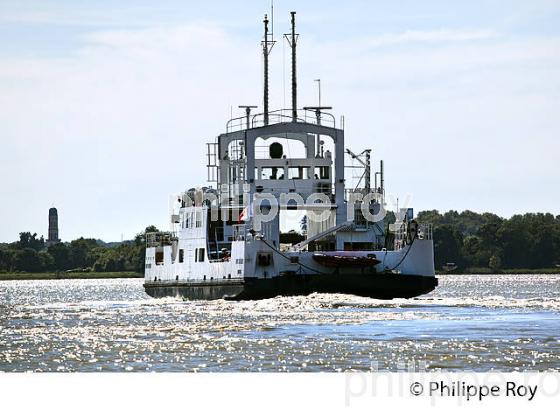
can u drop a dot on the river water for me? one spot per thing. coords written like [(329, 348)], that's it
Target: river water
[(469, 323)]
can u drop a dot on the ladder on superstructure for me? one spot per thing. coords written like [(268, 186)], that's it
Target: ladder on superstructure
[(212, 161)]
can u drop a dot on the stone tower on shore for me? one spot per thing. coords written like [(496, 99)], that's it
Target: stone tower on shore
[(53, 227)]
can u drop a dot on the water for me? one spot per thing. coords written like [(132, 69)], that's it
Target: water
[(475, 323)]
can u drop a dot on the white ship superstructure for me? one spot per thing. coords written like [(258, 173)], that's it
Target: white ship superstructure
[(226, 239)]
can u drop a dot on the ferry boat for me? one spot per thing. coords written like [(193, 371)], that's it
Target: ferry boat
[(225, 239)]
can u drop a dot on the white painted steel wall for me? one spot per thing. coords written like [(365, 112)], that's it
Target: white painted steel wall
[(191, 237)]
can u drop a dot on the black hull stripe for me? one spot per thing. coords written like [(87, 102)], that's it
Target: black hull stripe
[(378, 286)]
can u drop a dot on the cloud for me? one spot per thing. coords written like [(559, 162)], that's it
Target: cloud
[(430, 36), (174, 38), (115, 123)]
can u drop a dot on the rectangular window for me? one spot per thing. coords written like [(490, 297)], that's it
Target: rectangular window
[(322, 172), (201, 254), (198, 219), (272, 173), (298, 172), (159, 258), (181, 255)]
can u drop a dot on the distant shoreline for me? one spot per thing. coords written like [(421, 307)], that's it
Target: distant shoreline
[(548, 271), (68, 275), (4, 276)]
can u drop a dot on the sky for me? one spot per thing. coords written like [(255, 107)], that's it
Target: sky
[(105, 106)]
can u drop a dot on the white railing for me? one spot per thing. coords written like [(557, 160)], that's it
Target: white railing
[(281, 116), (239, 232), (348, 192), (155, 239), (425, 231), (401, 233)]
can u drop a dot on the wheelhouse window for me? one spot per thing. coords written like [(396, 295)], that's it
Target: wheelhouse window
[(272, 173), (322, 173), (298, 172)]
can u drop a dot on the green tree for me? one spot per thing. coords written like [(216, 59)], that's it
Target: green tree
[(448, 243), (514, 239), (47, 261), (473, 252), (430, 217), (61, 256), (28, 260), (7, 259), (488, 233), (291, 237), (495, 263), (109, 261), (81, 251), (28, 240)]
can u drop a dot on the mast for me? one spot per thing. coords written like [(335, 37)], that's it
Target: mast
[(367, 181), (265, 52), (382, 175), (292, 41), (267, 45)]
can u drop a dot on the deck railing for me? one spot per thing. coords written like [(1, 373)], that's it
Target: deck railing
[(401, 234), (155, 239), (239, 232), (281, 116)]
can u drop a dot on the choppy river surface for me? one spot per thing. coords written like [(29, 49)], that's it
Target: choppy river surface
[(475, 323)]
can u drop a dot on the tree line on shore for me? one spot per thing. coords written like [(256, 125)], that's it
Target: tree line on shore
[(30, 254), (473, 240), (467, 239)]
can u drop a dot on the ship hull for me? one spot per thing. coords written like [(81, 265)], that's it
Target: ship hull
[(378, 286)]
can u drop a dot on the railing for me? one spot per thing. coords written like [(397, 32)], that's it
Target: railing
[(326, 188), (155, 239), (361, 191), (281, 116), (239, 232), (212, 161), (401, 233), (425, 231)]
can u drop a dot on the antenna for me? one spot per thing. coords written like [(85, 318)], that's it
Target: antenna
[(382, 175), (318, 117), (267, 48), (248, 113), (292, 41), (367, 182), (319, 86)]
